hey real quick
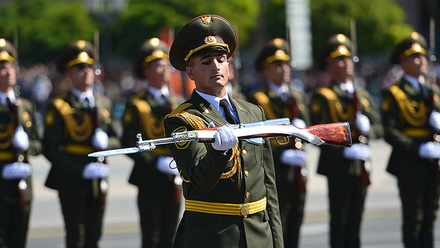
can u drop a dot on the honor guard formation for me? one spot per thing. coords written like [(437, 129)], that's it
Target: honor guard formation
[(232, 191)]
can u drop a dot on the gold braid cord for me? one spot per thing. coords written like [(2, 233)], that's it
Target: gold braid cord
[(77, 131), (199, 123), (6, 132), (337, 112), (407, 108), (150, 125)]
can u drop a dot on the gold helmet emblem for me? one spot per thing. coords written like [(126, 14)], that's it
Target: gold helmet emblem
[(341, 38), (2, 42), (210, 39), (83, 56), (206, 20)]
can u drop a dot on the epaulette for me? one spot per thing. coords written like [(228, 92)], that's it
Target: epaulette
[(178, 110)]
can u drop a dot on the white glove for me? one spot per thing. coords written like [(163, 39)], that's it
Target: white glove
[(224, 138), (362, 123), (20, 140), (357, 151), (434, 120), (16, 170), (299, 123), (163, 165), (429, 150), (100, 139), (293, 157), (95, 170)]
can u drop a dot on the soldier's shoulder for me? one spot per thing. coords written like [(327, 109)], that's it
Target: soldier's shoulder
[(180, 109)]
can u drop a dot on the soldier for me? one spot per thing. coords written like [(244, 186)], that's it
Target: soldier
[(18, 139), (280, 100), (229, 186), (410, 110), (347, 169), (77, 123), (159, 196)]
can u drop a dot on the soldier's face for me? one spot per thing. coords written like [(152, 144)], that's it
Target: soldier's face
[(158, 73), (210, 72), (7, 76), (81, 76), (415, 65), (341, 68), (277, 72)]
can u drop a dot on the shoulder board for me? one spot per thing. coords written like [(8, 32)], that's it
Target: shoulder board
[(178, 110), (327, 93)]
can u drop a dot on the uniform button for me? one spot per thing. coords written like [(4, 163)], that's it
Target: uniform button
[(244, 152), (246, 173), (247, 194)]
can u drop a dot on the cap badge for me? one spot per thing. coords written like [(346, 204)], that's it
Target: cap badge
[(280, 53), (4, 54), (154, 41), (158, 53), (210, 40), (83, 56), (416, 47), (2, 42), (342, 49), (81, 44), (206, 20)]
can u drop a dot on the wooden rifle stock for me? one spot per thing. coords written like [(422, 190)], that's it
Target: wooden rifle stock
[(337, 133)]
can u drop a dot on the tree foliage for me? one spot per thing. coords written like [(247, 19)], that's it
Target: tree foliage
[(143, 19), (379, 23), (45, 27)]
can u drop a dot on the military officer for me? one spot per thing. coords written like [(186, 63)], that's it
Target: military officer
[(280, 100), (346, 169), (159, 196), (410, 112), (77, 123), (18, 139), (229, 185)]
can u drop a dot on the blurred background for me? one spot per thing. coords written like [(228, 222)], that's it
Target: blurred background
[(42, 28)]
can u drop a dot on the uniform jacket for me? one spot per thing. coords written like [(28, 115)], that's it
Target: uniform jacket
[(144, 114), (324, 109), (274, 107), (26, 115), (406, 124), (202, 167), (68, 139)]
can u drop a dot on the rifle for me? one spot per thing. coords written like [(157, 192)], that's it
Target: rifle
[(431, 73), (21, 184), (365, 165), (100, 186), (332, 133)]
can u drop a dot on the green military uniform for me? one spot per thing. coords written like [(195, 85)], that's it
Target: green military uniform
[(405, 112), (69, 129), (291, 180), (15, 200), (159, 198), (347, 179), (230, 199)]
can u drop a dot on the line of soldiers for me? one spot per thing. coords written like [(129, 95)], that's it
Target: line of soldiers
[(79, 122)]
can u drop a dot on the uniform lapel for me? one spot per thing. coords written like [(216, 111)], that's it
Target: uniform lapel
[(207, 110), (243, 115)]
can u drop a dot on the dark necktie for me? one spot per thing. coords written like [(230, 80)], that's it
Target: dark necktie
[(86, 103), (228, 114)]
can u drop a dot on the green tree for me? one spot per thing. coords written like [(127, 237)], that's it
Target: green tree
[(380, 23), (143, 19), (45, 27)]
